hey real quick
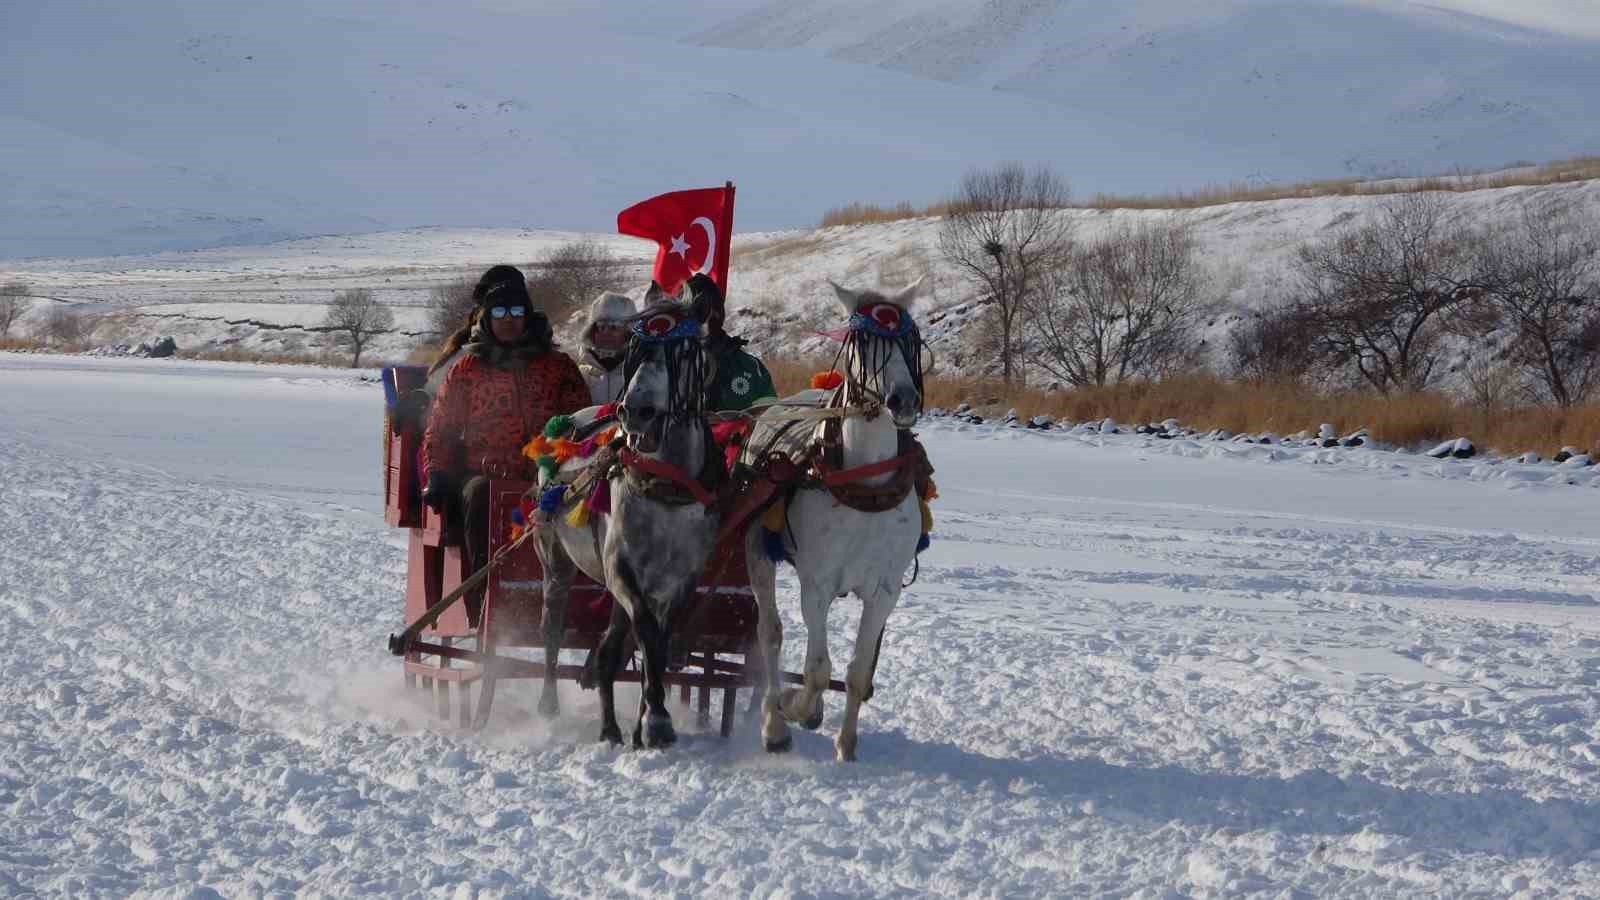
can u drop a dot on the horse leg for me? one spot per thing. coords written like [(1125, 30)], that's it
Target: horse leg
[(763, 573), (805, 704), (608, 662), (655, 724), (559, 570), (875, 611)]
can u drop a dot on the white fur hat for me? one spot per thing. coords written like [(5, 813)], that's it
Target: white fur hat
[(607, 307)]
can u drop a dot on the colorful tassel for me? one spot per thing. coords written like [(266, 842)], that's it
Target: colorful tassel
[(548, 468), (587, 448), (599, 501), (578, 517), (927, 516), (931, 492), (827, 381), (605, 411), (550, 500), (536, 448), (922, 543), (557, 426), (563, 449), (606, 437), (773, 519), (772, 545)]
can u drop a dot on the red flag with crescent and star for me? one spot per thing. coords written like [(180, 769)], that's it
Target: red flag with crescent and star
[(693, 231)]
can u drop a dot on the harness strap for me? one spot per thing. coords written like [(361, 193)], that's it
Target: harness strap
[(839, 477), (665, 470)]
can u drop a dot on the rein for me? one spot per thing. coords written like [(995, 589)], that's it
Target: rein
[(660, 472)]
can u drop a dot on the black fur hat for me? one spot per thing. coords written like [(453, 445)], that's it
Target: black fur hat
[(502, 285), (707, 301)]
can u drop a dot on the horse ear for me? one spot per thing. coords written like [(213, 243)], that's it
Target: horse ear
[(847, 298), (910, 292), (654, 294)]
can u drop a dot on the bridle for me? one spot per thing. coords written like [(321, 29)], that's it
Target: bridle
[(876, 330)]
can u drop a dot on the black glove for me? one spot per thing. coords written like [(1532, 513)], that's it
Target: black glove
[(437, 491)]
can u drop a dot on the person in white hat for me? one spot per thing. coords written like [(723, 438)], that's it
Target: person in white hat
[(605, 339)]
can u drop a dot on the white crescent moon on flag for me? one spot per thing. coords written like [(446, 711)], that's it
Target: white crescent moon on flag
[(711, 244)]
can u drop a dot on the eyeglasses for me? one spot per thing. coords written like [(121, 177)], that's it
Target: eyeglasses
[(516, 312)]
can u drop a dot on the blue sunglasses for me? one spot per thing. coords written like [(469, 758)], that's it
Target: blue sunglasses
[(516, 312)]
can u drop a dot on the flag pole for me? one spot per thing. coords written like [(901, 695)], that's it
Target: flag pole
[(725, 238)]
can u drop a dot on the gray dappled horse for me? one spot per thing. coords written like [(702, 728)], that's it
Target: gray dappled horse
[(650, 551), (859, 536)]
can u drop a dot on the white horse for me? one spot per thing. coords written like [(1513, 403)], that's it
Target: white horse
[(837, 548), (650, 551)]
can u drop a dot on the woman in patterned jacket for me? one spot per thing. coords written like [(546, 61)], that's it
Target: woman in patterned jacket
[(508, 381)]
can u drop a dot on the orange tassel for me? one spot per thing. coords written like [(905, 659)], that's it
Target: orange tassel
[(605, 437), (827, 381), (563, 449), (932, 492), (536, 448)]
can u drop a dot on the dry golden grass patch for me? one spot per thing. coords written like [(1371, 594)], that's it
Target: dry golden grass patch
[(1580, 169), (778, 248), (1205, 402), (871, 213)]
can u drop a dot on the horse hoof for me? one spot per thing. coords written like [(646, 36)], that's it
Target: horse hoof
[(845, 751), (549, 707), (812, 721), (660, 734), (780, 745), (612, 735)]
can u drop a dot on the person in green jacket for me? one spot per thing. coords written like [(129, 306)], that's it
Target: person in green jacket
[(742, 380)]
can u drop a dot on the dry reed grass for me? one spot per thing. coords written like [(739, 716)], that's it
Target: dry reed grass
[(1206, 402), (1560, 172), (871, 213)]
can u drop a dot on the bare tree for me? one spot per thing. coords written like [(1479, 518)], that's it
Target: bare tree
[(1273, 346), (65, 327), (449, 306), (1128, 305), (1005, 233), (355, 317), (13, 303), (572, 275), (1375, 295), (1544, 276)]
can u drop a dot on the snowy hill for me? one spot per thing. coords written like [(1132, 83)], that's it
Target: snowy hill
[(264, 297), (137, 127)]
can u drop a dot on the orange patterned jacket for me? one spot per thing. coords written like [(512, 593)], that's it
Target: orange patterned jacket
[(484, 414)]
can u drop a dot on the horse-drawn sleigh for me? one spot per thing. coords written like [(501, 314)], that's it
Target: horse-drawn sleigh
[(829, 480)]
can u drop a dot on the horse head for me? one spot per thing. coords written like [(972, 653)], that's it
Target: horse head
[(882, 353), (666, 371)]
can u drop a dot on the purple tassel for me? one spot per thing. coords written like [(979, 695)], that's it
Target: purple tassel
[(599, 501), (586, 449)]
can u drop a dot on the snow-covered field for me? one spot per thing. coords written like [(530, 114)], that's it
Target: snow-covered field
[(1130, 667)]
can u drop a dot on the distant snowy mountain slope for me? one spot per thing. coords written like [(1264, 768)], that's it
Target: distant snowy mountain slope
[(177, 124)]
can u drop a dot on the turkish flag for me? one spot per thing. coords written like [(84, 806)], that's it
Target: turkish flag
[(693, 231)]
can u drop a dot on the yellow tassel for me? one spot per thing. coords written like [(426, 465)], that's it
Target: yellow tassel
[(927, 517), (772, 519), (578, 517)]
